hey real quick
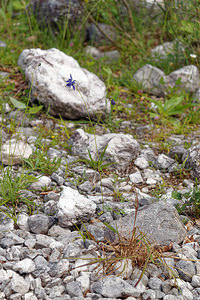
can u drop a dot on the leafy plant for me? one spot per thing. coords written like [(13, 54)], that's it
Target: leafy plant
[(11, 186), (190, 202), (171, 107), (39, 161), (21, 105), (97, 164)]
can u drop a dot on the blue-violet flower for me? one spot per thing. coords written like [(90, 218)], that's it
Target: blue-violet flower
[(71, 82), (113, 102)]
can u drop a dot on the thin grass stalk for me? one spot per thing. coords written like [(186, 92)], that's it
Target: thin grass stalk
[(130, 16)]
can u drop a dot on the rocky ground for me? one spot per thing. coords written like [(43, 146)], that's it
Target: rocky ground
[(79, 212)]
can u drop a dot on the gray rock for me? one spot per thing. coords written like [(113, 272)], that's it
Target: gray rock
[(19, 285), (165, 162), (74, 289), (58, 179), (6, 224), (186, 269), (86, 186), (24, 266), (149, 294), (141, 162), (2, 44), (136, 177), (41, 183), (196, 281), (74, 208), (149, 77), (196, 96), (192, 160), (155, 283), (150, 221), (38, 223), (162, 52), (172, 297), (189, 76), (121, 148), (114, 287), (97, 54), (52, 90), (177, 153), (13, 152), (52, 13), (4, 74)]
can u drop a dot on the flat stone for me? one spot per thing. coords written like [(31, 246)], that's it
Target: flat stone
[(159, 221), (114, 287), (51, 69), (13, 152)]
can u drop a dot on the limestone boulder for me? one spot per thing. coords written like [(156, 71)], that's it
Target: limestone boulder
[(74, 208), (159, 221), (47, 72), (121, 148)]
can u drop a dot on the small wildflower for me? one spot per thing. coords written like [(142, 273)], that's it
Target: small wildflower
[(71, 44), (113, 102), (193, 56), (52, 136), (71, 82), (156, 118)]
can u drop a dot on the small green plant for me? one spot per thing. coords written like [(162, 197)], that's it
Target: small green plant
[(190, 202), (98, 164), (171, 107), (11, 195), (39, 161)]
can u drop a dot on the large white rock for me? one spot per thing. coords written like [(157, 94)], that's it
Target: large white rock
[(121, 148), (74, 208), (47, 72), (13, 151)]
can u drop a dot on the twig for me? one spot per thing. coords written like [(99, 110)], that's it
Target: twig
[(129, 15)]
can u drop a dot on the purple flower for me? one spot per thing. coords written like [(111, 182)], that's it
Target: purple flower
[(71, 82), (113, 102)]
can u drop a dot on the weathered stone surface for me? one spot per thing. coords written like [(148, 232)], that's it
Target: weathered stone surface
[(38, 223), (19, 284), (114, 287), (74, 208), (97, 54), (190, 79), (50, 13), (121, 148), (149, 77), (47, 72), (13, 151), (192, 160), (24, 266), (42, 182), (162, 52), (159, 221)]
